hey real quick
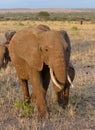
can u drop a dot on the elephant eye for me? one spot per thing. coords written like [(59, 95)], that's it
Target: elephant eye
[(46, 49)]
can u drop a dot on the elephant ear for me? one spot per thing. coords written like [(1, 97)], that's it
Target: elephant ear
[(30, 53), (35, 60), (25, 46), (9, 35)]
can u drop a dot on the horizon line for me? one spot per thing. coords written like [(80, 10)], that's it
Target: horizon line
[(45, 8)]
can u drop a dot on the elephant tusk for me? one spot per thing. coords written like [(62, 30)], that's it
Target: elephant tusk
[(54, 80), (69, 79)]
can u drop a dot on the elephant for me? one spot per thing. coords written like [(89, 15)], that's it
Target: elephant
[(4, 56), (4, 53), (38, 54)]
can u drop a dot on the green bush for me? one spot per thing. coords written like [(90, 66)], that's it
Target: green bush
[(74, 28), (24, 109), (43, 15)]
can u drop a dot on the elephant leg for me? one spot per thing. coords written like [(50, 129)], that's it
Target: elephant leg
[(24, 84), (39, 93), (45, 80)]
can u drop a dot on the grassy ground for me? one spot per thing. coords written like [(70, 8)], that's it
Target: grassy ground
[(80, 114)]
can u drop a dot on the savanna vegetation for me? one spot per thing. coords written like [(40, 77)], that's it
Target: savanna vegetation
[(53, 16), (80, 114)]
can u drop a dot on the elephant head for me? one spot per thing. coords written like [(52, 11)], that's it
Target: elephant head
[(4, 53), (53, 54)]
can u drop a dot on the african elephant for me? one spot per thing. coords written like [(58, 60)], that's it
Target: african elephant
[(4, 53), (4, 56), (38, 55)]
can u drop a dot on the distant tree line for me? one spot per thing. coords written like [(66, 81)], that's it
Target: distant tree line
[(74, 16)]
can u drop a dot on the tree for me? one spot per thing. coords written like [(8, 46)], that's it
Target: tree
[(43, 15)]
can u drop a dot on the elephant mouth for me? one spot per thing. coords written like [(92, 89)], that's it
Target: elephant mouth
[(55, 81)]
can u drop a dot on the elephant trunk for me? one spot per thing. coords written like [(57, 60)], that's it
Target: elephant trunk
[(58, 72)]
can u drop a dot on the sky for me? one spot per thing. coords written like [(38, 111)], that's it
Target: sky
[(33, 4)]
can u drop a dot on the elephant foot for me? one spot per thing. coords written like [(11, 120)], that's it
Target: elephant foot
[(42, 106), (43, 114)]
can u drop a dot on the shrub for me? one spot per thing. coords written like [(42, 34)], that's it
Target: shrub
[(43, 15), (24, 109), (74, 28)]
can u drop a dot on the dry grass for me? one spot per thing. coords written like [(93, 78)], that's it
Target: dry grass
[(80, 114)]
